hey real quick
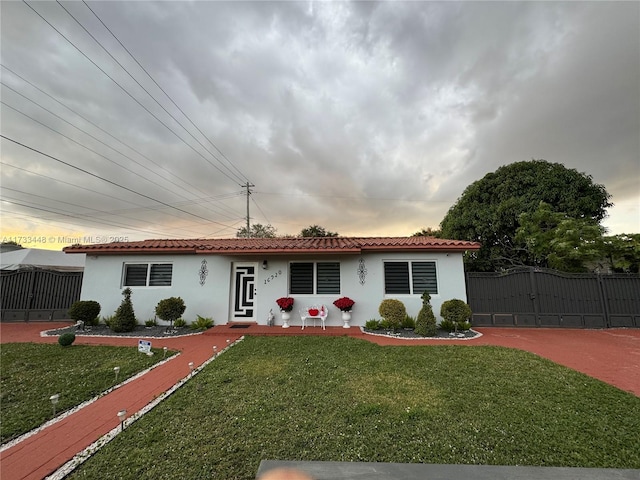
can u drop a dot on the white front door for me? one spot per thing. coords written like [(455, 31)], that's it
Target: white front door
[(243, 306)]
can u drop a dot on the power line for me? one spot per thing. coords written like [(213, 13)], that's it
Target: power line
[(109, 181), (127, 92), (91, 136), (96, 126), (163, 91), (83, 146), (92, 211), (140, 85)]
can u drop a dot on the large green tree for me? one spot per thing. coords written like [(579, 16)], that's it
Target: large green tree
[(555, 240), (621, 253), (490, 209)]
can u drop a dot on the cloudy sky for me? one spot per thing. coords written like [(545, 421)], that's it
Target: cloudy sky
[(145, 119)]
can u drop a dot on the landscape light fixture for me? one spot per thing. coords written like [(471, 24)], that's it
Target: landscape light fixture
[(54, 399), (164, 352), (117, 371), (122, 414), (215, 349), (191, 367)]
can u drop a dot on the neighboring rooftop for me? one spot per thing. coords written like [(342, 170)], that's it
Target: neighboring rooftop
[(280, 245)]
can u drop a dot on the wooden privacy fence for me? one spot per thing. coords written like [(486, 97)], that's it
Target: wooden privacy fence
[(38, 295), (528, 297)]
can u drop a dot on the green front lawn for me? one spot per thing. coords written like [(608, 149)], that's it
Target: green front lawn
[(31, 373), (341, 399)]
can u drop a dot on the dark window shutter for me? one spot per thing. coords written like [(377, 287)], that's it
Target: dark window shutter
[(396, 277), (160, 275), (424, 277), (135, 275), (301, 278), (328, 278)]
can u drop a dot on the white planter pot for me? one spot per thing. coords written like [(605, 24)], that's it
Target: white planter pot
[(346, 316), (285, 319)]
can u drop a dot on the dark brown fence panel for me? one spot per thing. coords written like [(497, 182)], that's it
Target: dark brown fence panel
[(622, 296), (547, 298), (38, 295)]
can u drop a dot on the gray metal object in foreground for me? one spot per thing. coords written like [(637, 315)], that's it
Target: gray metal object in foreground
[(419, 471)]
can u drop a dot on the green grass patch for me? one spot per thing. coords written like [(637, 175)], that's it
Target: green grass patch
[(31, 373), (342, 399)]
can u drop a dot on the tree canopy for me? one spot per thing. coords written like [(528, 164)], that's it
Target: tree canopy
[(490, 210), (257, 230), (317, 231)]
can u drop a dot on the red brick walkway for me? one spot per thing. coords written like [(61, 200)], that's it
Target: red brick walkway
[(612, 356)]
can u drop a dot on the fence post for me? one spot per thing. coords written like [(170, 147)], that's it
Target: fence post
[(603, 301), (534, 295)]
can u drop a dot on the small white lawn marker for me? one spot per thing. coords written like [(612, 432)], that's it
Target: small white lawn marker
[(122, 414), (54, 399)]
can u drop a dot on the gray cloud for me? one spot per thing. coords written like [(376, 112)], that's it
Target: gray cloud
[(367, 118)]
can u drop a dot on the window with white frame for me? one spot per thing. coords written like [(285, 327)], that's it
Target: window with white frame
[(308, 278), (410, 278), (147, 274)]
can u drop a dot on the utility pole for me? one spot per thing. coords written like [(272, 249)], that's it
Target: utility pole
[(247, 186)]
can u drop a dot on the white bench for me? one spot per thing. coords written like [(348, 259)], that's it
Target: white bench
[(314, 311)]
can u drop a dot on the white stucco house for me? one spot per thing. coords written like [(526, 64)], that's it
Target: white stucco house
[(239, 279)]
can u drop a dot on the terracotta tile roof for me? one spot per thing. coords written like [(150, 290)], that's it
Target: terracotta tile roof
[(246, 246)]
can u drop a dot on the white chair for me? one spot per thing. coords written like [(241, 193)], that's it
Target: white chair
[(314, 311)]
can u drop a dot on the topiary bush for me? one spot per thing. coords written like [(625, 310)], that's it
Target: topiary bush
[(86, 311), (125, 319), (393, 311), (426, 321), (170, 309), (66, 339), (456, 311)]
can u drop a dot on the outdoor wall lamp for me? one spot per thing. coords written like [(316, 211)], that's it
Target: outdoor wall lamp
[(122, 414), (54, 399), (265, 264)]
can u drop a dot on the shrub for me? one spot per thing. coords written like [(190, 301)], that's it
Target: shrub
[(66, 339), (426, 321), (455, 311), (447, 325), (150, 323), (125, 319), (86, 311), (202, 323), (393, 311), (409, 322), (385, 324), (180, 322), (108, 320), (372, 324), (464, 325), (170, 309)]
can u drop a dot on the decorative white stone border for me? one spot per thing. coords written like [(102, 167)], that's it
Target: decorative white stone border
[(73, 410), (478, 335), (47, 333), (85, 454)]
